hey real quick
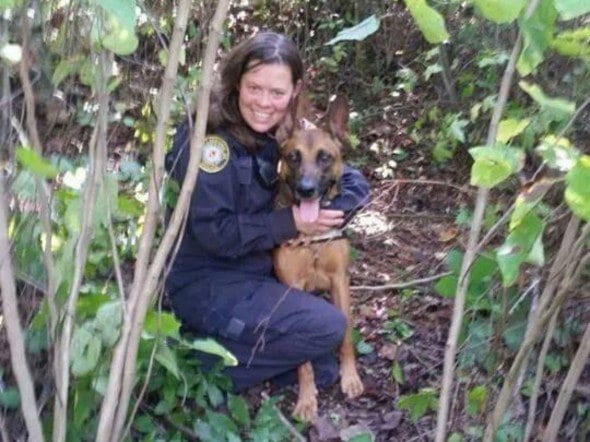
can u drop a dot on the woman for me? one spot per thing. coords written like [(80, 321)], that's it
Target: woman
[(221, 283)]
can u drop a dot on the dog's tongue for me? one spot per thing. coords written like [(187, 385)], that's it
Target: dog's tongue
[(309, 210)]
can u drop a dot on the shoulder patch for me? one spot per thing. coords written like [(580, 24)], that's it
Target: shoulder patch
[(215, 154)]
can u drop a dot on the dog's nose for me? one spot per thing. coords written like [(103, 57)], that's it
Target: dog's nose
[(306, 187)]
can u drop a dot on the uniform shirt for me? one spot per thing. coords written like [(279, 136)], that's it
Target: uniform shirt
[(232, 225)]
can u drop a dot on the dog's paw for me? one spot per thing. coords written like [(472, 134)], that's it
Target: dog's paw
[(306, 408), (350, 383)]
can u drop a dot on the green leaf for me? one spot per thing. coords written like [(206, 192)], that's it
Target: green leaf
[(418, 404), (210, 346), (499, 11), (429, 20), (558, 153), (67, 67), (573, 43), (161, 324), (86, 346), (447, 286), (108, 322), (358, 32), (511, 128), (538, 33), (34, 163), (165, 356), (364, 348), (455, 437), (238, 408), (517, 247), (536, 256), (121, 10), (493, 164), (10, 398), (569, 9), (528, 199), (476, 400), (121, 41), (577, 193), (397, 373), (558, 108)]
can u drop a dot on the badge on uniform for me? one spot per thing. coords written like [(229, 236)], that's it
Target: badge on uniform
[(215, 154)]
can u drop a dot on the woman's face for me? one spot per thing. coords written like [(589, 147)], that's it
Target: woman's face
[(265, 93)]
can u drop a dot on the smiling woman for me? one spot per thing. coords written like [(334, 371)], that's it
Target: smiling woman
[(222, 283), (266, 90)]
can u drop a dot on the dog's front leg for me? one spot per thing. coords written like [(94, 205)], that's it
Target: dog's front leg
[(350, 381), (307, 403)]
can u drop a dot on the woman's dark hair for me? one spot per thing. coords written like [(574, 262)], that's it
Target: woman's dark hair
[(261, 49)]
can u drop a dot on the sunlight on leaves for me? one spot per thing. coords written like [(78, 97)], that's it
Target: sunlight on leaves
[(558, 153), (212, 347), (511, 128), (528, 199), (569, 9), (493, 164), (573, 43), (499, 11)]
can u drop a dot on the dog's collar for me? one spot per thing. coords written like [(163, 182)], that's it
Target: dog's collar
[(328, 236)]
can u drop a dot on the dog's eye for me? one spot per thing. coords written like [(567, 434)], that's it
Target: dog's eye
[(324, 159), (293, 157)]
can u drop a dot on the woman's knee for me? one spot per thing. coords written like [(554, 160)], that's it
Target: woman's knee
[(329, 327)]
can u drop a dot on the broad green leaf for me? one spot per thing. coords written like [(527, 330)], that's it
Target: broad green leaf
[(538, 33), (577, 193), (517, 247), (210, 346), (559, 108), (161, 324), (429, 20), (89, 304), (476, 400), (221, 423), (165, 356), (36, 164), (511, 128), (11, 53), (239, 409), (528, 200), (493, 164), (418, 404), (447, 286), (358, 32), (108, 322), (454, 259), (455, 437), (121, 41), (121, 10), (569, 9), (558, 153), (573, 43), (499, 11), (86, 346)]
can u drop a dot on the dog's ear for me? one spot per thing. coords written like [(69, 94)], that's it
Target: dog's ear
[(286, 128), (338, 117)]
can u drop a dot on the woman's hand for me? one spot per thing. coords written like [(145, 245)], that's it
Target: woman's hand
[(326, 220)]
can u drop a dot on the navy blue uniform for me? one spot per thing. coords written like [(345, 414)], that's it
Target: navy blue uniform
[(221, 283)]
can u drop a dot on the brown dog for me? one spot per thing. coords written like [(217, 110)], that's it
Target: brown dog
[(310, 169)]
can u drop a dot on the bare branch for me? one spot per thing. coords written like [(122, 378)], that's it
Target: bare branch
[(14, 331), (401, 285)]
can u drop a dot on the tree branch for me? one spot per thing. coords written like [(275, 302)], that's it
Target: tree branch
[(470, 254), (14, 332)]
